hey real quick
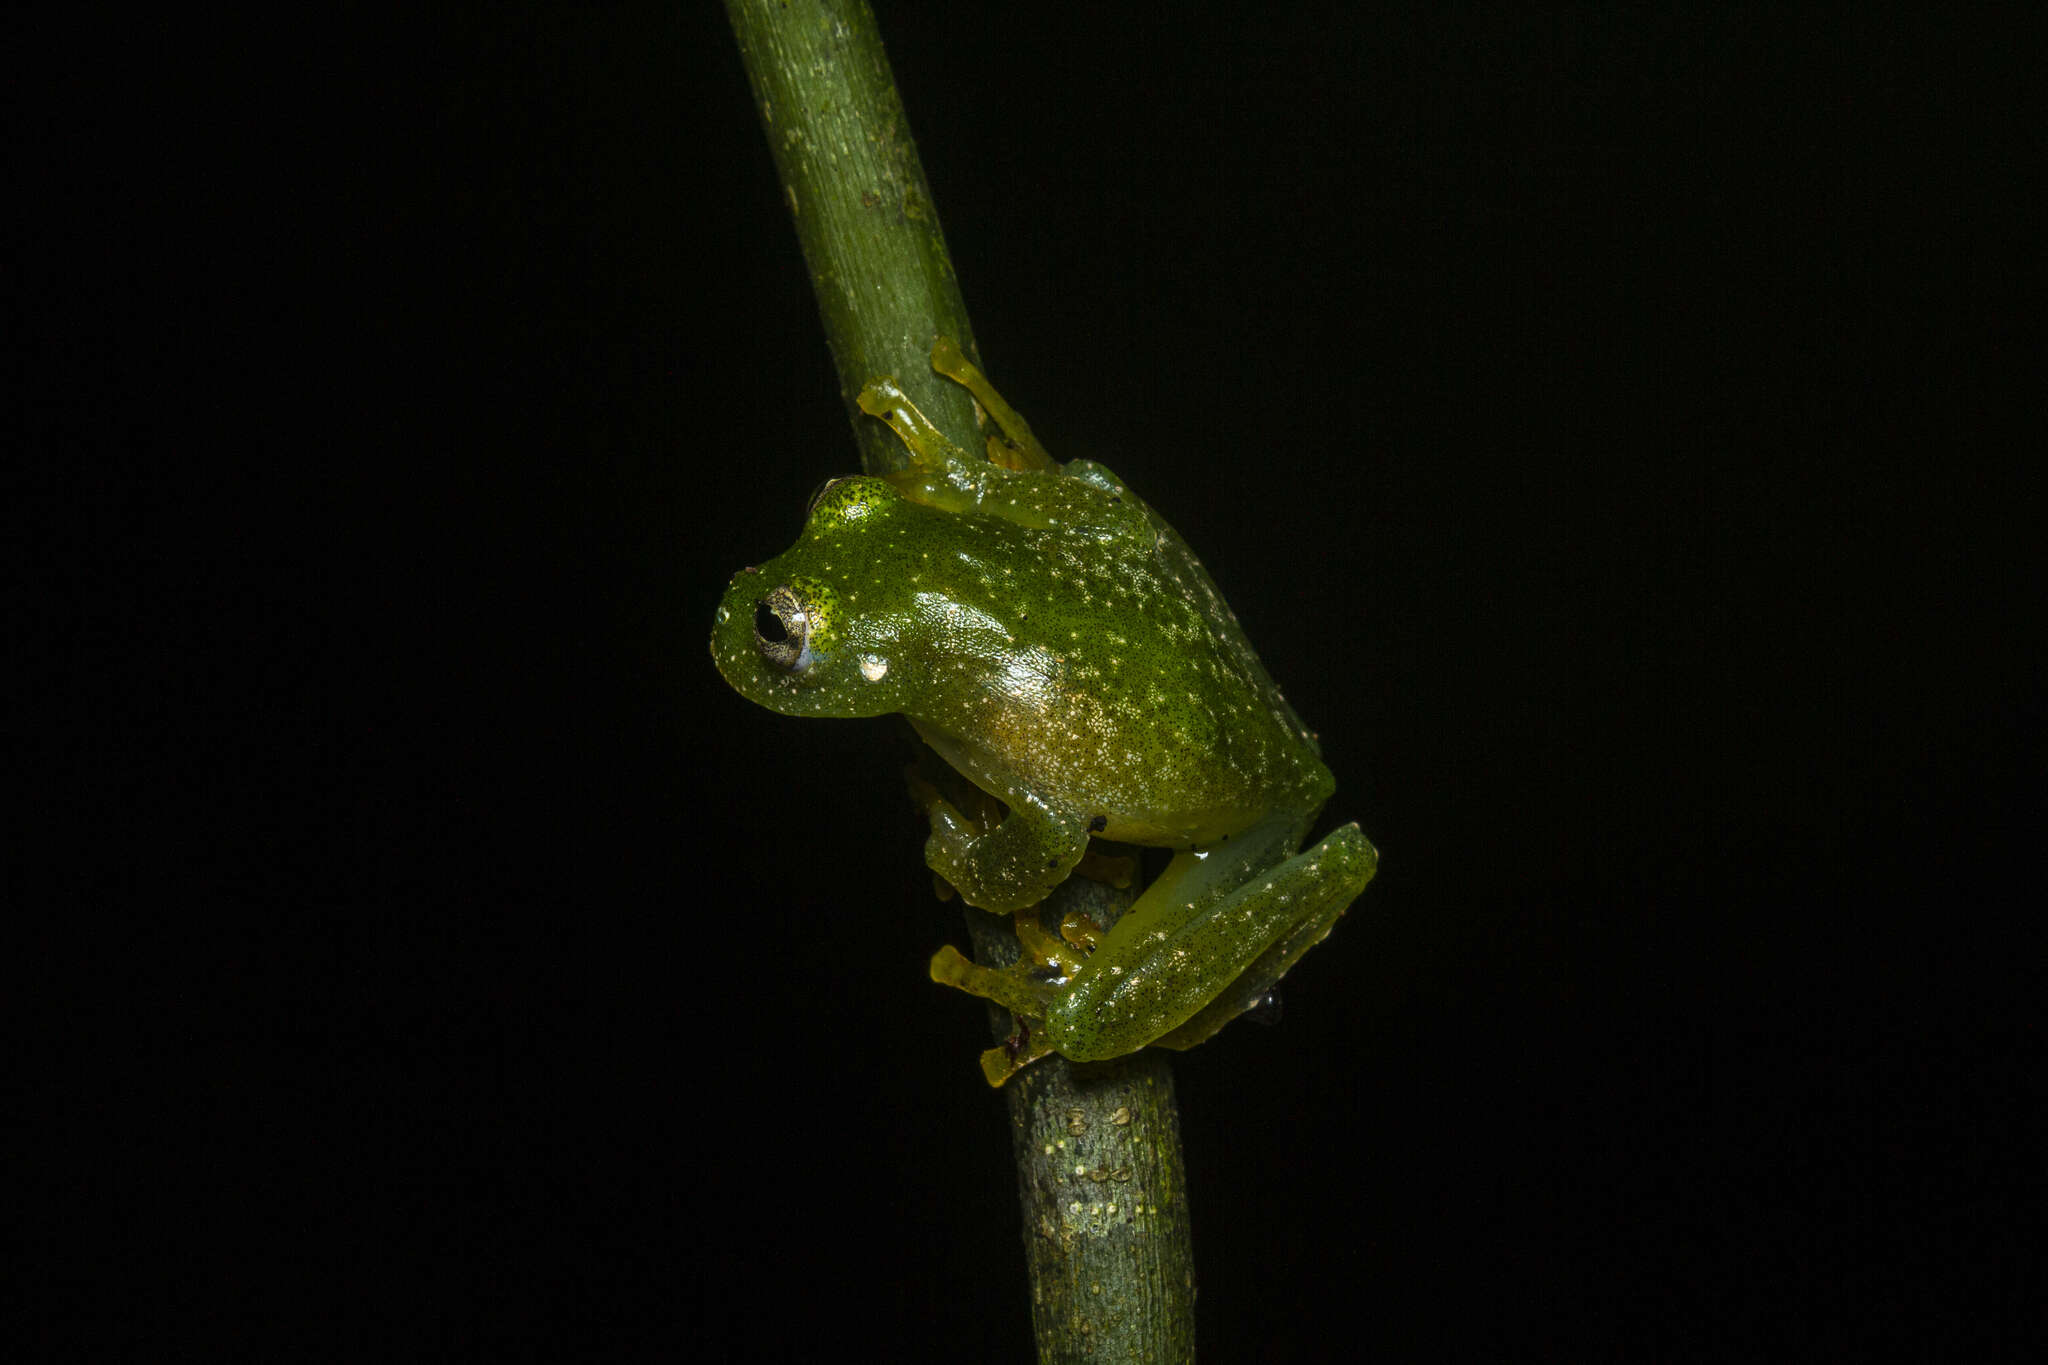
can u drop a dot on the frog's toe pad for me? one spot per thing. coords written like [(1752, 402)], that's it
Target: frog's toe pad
[(998, 1064), (1008, 988)]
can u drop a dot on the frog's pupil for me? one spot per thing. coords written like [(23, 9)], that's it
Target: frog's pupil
[(768, 625)]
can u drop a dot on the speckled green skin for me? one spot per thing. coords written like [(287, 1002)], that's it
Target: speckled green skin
[(1053, 638)]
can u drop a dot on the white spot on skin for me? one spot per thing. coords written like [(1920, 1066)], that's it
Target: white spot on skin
[(873, 669)]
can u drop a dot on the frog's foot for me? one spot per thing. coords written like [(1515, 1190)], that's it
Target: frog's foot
[(1020, 1050), (1011, 987), (1048, 950), (929, 449), (1019, 449), (1081, 931)]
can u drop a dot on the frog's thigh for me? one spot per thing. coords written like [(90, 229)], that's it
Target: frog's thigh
[(1179, 985), (1099, 475), (1346, 848)]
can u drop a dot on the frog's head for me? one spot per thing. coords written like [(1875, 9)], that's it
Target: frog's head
[(810, 633)]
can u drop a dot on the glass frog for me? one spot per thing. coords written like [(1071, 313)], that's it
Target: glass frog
[(1056, 642)]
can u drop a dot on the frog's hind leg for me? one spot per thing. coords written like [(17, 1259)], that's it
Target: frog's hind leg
[(1021, 449), (1181, 972), (1007, 986), (1011, 987), (1353, 860), (1017, 987)]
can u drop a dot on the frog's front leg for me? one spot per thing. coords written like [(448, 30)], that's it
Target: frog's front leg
[(1010, 867), (1200, 946)]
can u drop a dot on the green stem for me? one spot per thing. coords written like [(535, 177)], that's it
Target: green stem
[(1097, 1148), (869, 229)]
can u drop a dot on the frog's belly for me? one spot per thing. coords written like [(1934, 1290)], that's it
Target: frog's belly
[(1184, 829), (1146, 787)]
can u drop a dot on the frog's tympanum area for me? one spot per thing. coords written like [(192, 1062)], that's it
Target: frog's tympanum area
[(1058, 643)]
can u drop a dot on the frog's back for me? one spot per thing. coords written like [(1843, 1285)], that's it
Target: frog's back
[(1124, 686)]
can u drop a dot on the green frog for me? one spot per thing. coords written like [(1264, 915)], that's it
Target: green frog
[(1057, 643)]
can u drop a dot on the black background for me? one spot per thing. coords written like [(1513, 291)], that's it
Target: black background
[(1607, 425)]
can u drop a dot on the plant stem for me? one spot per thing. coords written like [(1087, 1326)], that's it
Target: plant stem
[(1099, 1169), (853, 183)]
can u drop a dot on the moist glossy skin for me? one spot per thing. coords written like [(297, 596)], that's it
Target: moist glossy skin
[(1056, 642)]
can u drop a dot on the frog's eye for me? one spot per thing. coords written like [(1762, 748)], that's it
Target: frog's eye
[(782, 630), (821, 490)]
